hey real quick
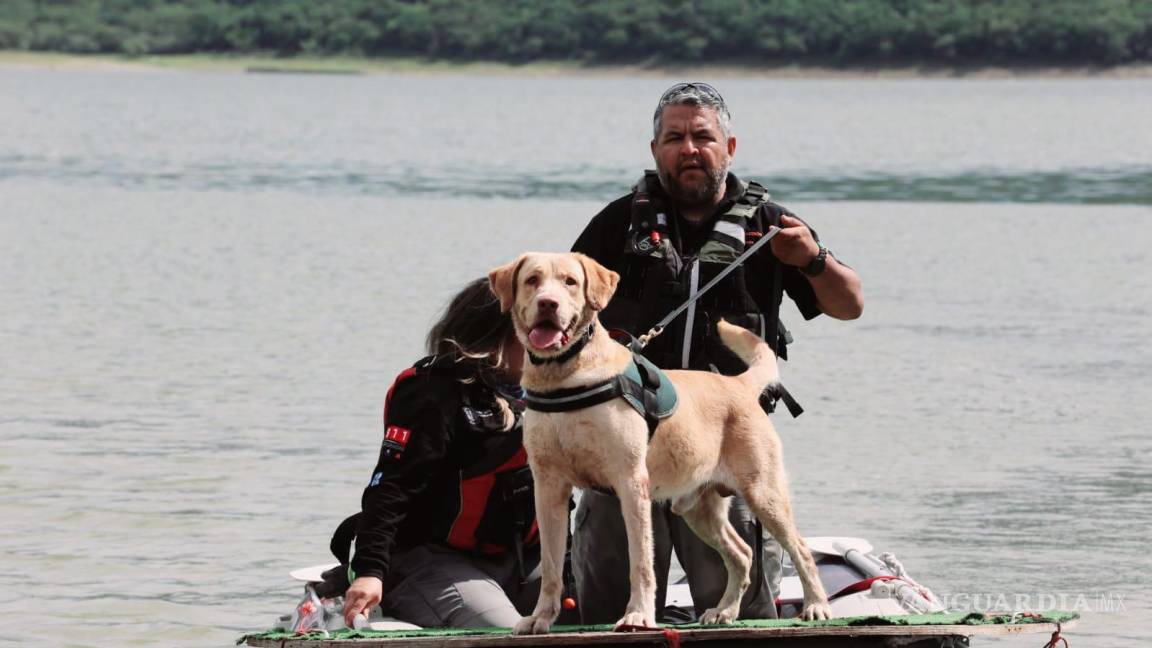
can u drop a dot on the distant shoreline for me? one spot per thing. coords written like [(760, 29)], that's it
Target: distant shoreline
[(353, 66)]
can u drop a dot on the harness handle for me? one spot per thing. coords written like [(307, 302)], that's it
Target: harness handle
[(643, 340)]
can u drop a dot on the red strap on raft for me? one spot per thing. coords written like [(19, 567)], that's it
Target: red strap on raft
[(862, 585), (1056, 638)]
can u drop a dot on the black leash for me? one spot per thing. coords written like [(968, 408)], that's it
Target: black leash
[(643, 340), (758, 561)]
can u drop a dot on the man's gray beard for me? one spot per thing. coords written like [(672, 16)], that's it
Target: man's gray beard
[(703, 194)]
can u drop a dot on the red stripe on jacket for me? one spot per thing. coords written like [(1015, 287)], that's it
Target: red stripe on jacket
[(404, 375), (474, 495)]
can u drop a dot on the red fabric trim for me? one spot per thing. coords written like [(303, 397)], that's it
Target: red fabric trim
[(474, 495), (404, 375), (473, 498)]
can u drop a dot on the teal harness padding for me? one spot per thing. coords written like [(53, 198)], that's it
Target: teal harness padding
[(642, 385), (666, 398)]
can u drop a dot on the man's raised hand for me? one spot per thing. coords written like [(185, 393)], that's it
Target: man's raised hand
[(794, 245)]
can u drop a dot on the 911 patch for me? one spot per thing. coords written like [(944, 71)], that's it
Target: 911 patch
[(395, 441)]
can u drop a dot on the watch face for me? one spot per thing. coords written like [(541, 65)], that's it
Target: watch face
[(816, 266)]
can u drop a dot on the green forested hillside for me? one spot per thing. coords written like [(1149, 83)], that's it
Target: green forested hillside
[(838, 32)]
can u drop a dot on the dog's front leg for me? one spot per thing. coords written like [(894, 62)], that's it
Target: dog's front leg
[(551, 494), (769, 500), (636, 505)]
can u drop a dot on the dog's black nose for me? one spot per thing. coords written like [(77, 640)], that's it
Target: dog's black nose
[(547, 305)]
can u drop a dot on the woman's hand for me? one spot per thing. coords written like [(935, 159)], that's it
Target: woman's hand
[(363, 594)]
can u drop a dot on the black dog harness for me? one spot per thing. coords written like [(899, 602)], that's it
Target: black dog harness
[(642, 385)]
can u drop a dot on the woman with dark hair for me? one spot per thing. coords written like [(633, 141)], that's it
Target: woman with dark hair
[(447, 530)]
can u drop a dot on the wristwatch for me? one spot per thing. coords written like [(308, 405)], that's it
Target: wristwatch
[(817, 264)]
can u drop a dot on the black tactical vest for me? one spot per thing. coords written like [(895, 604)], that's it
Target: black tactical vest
[(655, 278)]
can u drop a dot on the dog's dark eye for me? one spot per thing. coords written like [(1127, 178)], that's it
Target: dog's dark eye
[(532, 281), (571, 281)]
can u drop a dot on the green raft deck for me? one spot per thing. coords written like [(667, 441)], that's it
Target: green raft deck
[(932, 629)]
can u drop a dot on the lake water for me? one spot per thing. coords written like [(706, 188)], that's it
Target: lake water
[(208, 281)]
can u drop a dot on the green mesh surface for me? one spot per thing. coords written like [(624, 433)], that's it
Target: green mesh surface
[(969, 619)]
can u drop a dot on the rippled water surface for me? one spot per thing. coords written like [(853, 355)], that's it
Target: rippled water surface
[(207, 282)]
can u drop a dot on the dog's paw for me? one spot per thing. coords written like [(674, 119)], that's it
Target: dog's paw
[(717, 616), (532, 625), (817, 611), (636, 619)]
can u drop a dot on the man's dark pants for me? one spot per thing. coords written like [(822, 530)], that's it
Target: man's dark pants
[(600, 560)]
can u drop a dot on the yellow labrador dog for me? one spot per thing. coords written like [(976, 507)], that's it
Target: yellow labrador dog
[(718, 440)]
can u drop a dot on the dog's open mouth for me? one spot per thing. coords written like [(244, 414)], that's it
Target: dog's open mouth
[(546, 334)]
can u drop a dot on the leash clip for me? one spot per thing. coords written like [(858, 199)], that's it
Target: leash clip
[(643, 340)]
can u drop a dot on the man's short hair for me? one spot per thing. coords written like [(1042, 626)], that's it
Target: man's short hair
[(693, 94)]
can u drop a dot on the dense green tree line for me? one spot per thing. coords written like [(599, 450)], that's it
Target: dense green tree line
[(812, 31)]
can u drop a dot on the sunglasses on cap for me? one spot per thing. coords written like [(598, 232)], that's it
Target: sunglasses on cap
[(703, 88)]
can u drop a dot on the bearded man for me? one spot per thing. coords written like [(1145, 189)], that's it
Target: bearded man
[(680, 226)]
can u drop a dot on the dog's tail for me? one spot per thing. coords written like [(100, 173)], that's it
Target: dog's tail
[(762, 368)]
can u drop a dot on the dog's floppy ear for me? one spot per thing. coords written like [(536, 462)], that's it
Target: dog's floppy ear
[(599, 282), (503, 282)]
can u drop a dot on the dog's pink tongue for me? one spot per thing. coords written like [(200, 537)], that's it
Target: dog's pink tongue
[(545, 337)]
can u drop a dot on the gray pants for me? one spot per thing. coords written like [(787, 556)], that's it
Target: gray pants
[(600, 560), (438, 587)]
